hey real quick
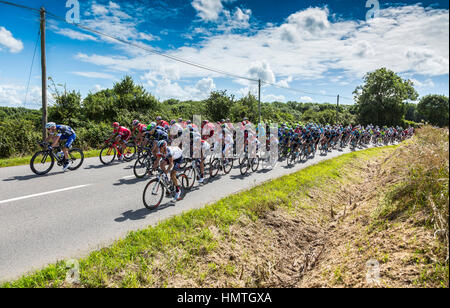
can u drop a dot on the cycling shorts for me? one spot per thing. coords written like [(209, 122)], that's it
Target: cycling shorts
[(69, 140)]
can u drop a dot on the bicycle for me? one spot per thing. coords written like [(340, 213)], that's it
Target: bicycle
[(249, 163), (111, 149), (161, 186), (47, 158), (144, 163), (293, 155), (221, 164)]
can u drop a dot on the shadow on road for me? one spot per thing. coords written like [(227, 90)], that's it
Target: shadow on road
[(129, 181), (141, 213), (30, 177)]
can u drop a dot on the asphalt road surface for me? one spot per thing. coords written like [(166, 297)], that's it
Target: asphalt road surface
[(60, 216)]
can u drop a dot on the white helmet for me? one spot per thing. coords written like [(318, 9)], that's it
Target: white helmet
[(50, 125)]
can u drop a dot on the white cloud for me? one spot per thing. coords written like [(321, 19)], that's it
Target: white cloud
[(76, 35), (310, 45), (208, 10), (306, 99), (273, 98), (96, 75), (428, 83), (164, 88), (14, 96), (205, 85), (261, 70), (7, 40)]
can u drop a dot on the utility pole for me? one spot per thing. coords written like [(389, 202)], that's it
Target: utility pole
[(44, 75), (259, 100), (337, 109)]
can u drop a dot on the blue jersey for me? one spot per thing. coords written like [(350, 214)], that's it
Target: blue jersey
[(64, 131)]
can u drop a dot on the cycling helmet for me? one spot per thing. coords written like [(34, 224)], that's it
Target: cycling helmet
[(136, 123), (151, 127), (173, 122), (50, 125), (158, 118), (116, 124), (162, 144)]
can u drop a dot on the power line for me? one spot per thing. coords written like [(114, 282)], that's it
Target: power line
[(191, 63), (154, 51), (185, 61), (19, 6), (32, 63)]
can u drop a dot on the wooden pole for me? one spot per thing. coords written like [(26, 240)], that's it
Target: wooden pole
[(44, 75), (259, 100)]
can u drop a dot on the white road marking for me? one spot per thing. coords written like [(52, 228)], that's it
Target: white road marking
[(128, 177), (44, 193)]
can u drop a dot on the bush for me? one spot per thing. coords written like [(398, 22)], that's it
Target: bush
[(18, 137), (92, 136)]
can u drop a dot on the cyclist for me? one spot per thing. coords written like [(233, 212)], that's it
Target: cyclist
[(121, 134), (164, 124), (61, 132), (155, 134), (176, 130), (207, 130), (172, 158), (139, 129), (204, 150)]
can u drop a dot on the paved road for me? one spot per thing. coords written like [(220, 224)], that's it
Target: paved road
[(68, 215)]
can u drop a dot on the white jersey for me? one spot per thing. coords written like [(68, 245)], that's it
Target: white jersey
[(174, 152), (175, 129)]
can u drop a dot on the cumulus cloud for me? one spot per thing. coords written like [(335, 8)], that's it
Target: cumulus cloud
[(306, 99), (310, 45), (96, 75), (110, 19), (273, 98), (262, 70), (75, 35), (7, 40), (14, 96), (208, 10)]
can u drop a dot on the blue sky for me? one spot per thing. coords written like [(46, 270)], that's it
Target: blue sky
[(319, 48)]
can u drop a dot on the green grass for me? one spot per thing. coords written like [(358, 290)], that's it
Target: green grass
[(173, 245), (25, 160)]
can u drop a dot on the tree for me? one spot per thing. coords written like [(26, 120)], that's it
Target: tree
[(246, 107), (381, 100), (67, 106), (434, 109), (218, 105)]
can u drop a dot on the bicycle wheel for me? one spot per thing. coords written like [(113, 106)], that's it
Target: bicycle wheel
[(215, 166), (76, 158), (130, 152), (228, 165), (153, 194), (141, 167), (244, 166), (191, 175), (107, 155), (255, 164), (291, 159), (183, 181), (42, 162)]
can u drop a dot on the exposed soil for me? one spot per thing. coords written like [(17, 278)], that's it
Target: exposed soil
[(328, 239)]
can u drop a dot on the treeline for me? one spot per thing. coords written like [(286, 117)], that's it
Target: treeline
[(382, 100), (91, 117)]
